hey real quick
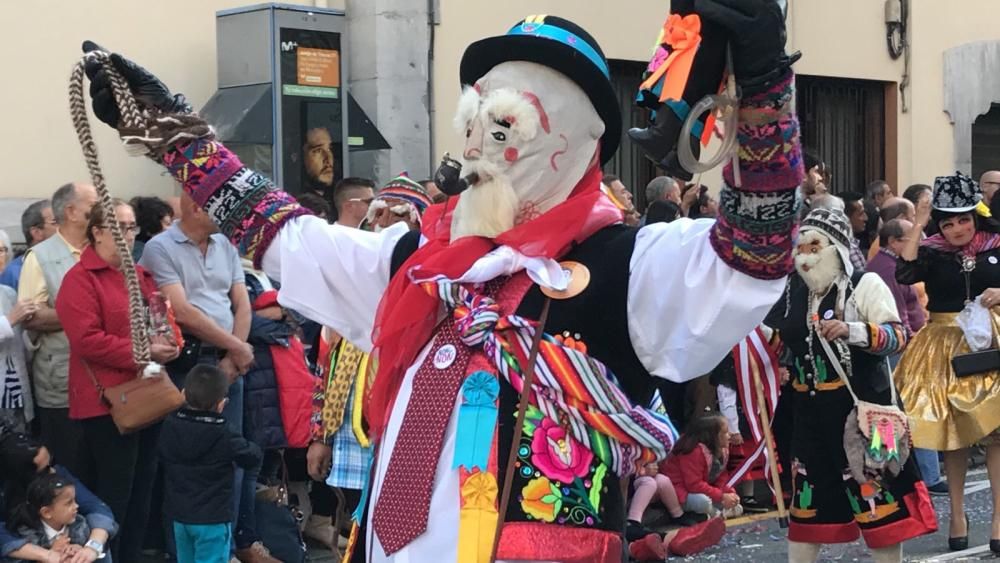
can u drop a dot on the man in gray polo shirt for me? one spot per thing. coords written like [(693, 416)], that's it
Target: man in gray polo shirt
[(199, 271)]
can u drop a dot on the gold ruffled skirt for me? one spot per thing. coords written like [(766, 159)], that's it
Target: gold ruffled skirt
[(946, 412)]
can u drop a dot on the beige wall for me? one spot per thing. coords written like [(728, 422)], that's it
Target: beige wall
[(935, 31), (39, 147), (845, 38), (40, 151)]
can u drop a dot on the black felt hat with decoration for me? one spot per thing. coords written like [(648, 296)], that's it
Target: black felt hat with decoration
[(563, 46), (955, 194)]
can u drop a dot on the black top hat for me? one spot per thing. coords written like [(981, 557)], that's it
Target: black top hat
[(559, 44), (955, 194)]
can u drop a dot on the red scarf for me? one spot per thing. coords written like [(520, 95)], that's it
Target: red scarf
[(407, 314), (981, 242)]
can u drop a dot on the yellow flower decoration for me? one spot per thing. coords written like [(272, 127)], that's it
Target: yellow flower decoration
[(480, 491), (542, 499)]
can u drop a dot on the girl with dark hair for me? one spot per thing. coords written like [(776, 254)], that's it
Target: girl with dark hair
[(152, 215), (22, 461), (697, 466), (49, 518), (950, 413)]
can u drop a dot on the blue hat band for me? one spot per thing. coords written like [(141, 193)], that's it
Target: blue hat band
[(555, 33)]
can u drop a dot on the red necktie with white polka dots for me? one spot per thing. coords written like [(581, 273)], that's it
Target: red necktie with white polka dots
[(404, 501)]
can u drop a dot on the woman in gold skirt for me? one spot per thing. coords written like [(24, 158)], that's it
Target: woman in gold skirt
[(950, 413)]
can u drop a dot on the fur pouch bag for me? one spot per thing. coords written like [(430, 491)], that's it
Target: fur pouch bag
[(876, 437)]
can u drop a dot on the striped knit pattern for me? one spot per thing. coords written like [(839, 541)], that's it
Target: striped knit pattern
[(886, 339), (756, 223), (11, 393), (246, 205), (202, 167), (272, 213), (404, 188), (570, 387)]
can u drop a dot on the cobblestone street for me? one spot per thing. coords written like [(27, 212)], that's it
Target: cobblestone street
[(765, 542)]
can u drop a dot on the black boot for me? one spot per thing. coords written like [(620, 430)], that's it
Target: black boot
[(659, 143), (636, 531)]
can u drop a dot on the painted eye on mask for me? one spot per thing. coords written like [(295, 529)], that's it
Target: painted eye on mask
[(500, 136)]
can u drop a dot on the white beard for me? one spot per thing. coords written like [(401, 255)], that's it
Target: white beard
[(819, 270), (487, 208)]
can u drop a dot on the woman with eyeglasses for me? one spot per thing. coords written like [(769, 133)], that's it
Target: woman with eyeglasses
[(22, 459), (93, 305)]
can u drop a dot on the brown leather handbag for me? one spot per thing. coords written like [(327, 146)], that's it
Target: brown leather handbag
[(141, 402)]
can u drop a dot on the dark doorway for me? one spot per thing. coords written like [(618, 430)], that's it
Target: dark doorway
[(986, 142), (843, 121), (629, 164)]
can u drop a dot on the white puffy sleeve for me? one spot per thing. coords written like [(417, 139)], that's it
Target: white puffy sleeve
[(686, 307), (871, 303), (332, 274)]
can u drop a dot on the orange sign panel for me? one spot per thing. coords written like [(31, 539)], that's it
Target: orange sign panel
[(318, 67)]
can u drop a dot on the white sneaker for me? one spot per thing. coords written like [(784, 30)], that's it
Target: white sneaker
[(734, 512)]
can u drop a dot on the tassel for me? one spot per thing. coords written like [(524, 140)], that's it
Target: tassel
[(352, 542), (876, 443), (890, 440), (359, 512), (477, 419)]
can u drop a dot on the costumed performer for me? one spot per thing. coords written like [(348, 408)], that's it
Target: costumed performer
[(959, 265), (539, 116), (834, 320)]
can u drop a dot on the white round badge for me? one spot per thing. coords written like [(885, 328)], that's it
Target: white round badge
[(828, 314), (992, 260), (445, 356)]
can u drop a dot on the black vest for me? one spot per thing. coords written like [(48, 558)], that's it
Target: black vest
[(599, 315), (869, 374)]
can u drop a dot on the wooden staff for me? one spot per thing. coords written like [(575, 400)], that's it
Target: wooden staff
[(772, 457)]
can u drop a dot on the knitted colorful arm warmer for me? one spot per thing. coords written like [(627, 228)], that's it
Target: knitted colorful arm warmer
[(886, 339), (246, 205), (756, 223)]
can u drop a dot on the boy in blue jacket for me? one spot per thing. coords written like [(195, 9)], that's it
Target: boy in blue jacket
[(198, 453)]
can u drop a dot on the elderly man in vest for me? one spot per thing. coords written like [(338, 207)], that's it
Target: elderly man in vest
[(44, 267)]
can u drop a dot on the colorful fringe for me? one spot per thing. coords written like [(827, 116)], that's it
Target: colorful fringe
[(246, 206), (570, 387), (886, 339), (756, 223)]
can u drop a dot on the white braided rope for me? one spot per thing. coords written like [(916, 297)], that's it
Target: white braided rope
[(132, 117)]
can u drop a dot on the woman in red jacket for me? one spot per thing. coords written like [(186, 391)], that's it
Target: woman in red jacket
[(93, 307), (697, 466)]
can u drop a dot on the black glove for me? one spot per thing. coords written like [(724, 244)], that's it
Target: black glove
[(757, 38), (147, 88)]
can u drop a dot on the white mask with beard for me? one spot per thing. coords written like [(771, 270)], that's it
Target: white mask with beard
[(531, 134), (817, 261)]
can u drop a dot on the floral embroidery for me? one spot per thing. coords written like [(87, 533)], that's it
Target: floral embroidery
[(541, 499), (569, 469), (558, 455)]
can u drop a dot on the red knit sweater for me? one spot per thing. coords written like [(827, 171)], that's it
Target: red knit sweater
[(689, 474), (93, 307)]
